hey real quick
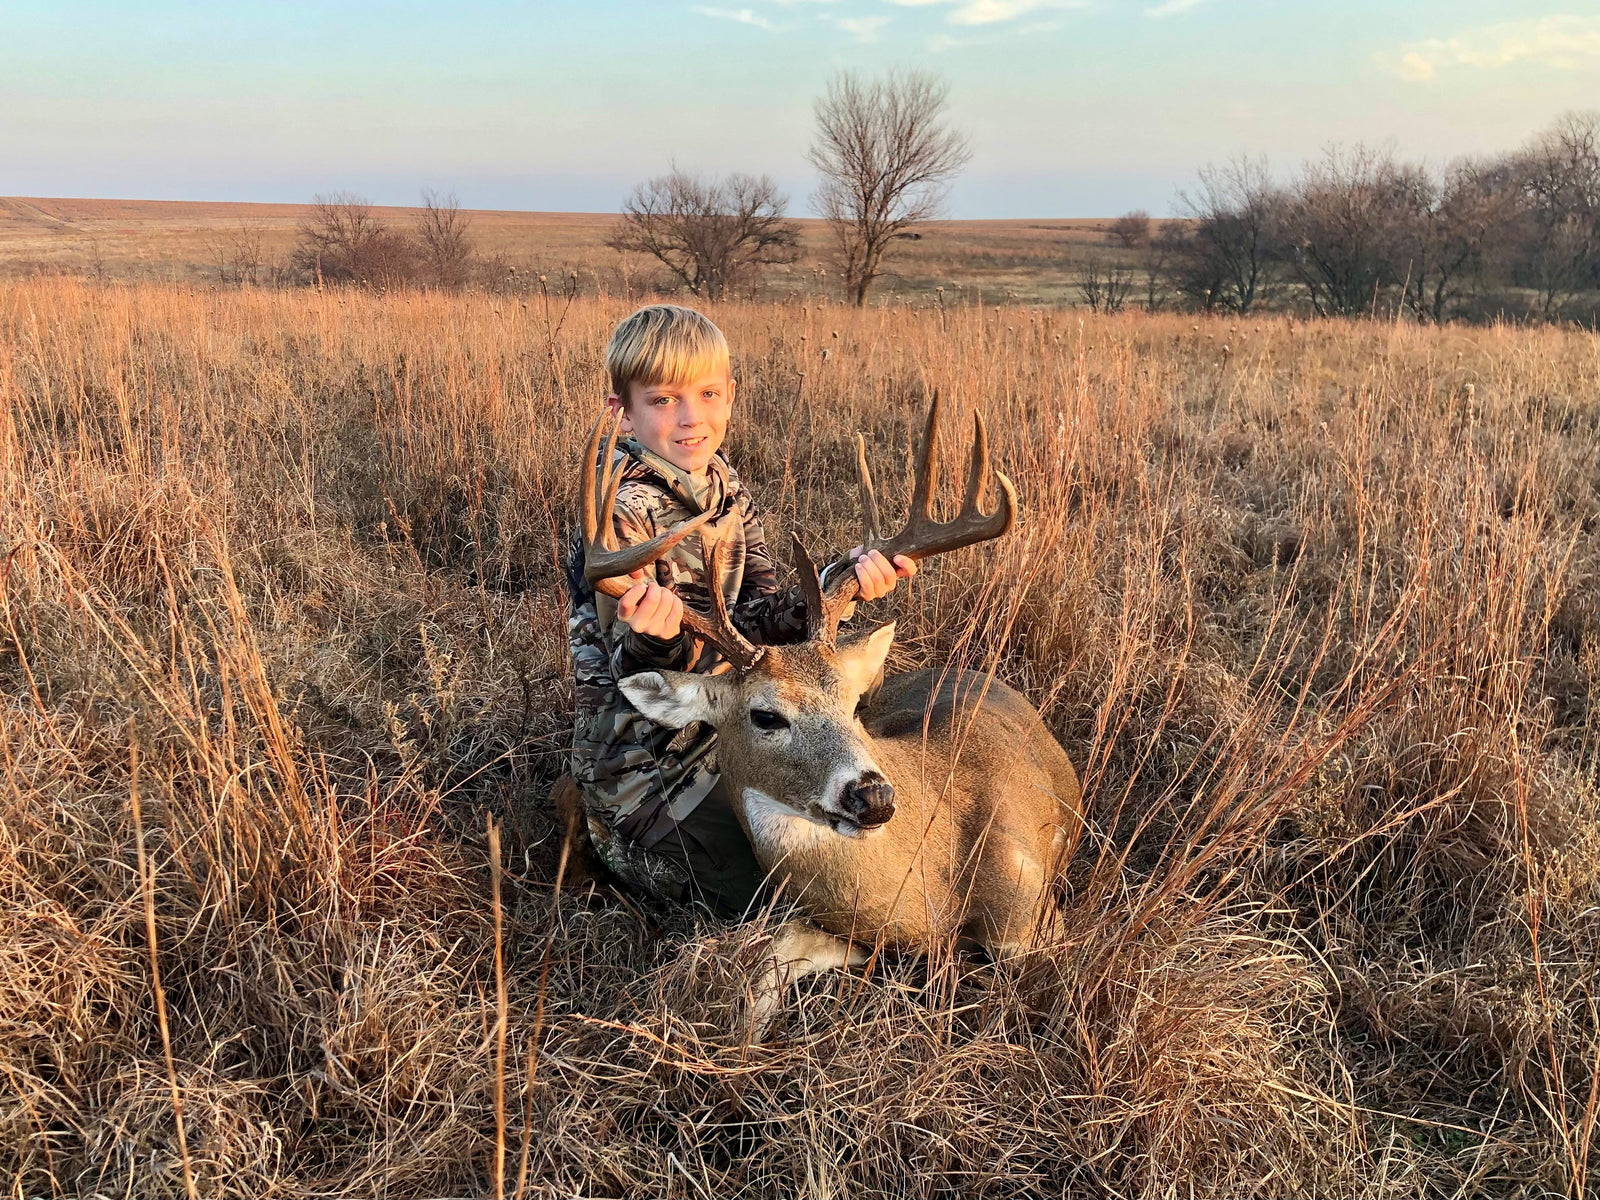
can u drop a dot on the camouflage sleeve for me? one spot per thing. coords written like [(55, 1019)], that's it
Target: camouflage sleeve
[(634, 652), (765, 613)]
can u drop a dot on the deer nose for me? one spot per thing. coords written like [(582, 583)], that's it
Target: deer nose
[(870, 800)]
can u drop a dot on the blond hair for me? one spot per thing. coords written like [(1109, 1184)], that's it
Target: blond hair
[(664, 343)]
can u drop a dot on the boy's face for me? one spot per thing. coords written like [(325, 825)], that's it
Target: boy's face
[(684, 421)]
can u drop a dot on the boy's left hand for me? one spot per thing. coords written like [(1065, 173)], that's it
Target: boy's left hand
[(877, 576)]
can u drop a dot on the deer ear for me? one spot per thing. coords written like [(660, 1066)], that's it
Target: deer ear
[(861, 659), (672, 698)]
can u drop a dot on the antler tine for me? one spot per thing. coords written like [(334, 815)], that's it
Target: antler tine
[(604, 566), (719, 629), (978, 471), (927, 468), (614, 472), (810, 588), (870, 536), (586, 482), (823, 609)]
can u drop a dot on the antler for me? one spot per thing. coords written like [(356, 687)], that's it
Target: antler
[(922, 536), (607, 567)]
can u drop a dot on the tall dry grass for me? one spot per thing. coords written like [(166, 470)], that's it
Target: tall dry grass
[(1313, 609)]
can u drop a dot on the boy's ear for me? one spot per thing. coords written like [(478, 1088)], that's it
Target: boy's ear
[(673, 698), (616, 403), (860, 659)]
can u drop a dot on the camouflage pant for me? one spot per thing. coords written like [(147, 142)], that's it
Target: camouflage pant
[(705, 857)]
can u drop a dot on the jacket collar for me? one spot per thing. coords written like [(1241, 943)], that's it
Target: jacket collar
[(709, 496)]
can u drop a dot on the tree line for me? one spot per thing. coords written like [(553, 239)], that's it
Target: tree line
[(1359, 231), (1355, 231)]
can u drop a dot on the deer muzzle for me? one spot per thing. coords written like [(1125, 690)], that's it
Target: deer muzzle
[(869, 801)]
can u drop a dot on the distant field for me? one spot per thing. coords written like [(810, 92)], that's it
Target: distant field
[(178, 241)]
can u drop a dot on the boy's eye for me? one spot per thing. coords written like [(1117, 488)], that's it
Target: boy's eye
[(767, 720)]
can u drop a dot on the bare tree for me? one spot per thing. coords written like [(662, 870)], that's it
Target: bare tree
[(1154, 262), (343, 241), (1352, 224), (1131, 229), (1221, 260), (1557, 180), (712, 234), (443, 240), (886, 158), (1105, 289), (238, 253), (1467, 217)]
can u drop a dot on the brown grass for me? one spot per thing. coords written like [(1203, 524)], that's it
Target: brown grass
[(1316, 618)]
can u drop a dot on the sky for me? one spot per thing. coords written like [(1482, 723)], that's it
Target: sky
[(1073, 107)]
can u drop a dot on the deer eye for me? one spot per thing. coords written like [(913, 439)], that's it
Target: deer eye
[(767, 720)]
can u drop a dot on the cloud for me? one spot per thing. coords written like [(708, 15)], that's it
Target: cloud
[(745, 16), (863, 28), (988, 12), (1171, 8), (1563, 43), (992, 12)]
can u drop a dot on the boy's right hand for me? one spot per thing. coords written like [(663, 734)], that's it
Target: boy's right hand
[(649, 608)]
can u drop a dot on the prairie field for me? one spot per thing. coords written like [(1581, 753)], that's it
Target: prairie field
[(190, 242), (283, 688)]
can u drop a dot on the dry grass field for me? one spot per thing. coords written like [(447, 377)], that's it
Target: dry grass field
[(1312, 607), (1032, 262)]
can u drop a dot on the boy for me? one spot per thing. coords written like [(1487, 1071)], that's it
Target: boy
[(655, 811)]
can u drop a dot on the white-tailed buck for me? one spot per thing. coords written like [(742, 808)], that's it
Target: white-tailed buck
[(937, 810)]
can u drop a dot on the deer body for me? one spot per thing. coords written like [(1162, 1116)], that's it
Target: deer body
[(937, 810)]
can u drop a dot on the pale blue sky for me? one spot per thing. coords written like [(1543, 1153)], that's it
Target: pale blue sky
[(1075, 107)]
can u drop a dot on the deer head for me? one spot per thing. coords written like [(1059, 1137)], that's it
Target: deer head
[(785, 716)]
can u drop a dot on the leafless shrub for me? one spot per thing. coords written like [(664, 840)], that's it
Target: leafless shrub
[(238, 253), (1130, 230), (1154, 265), (1104, 287), (886, 158), (711, 234), (343, 241), (444, 241), (1456, 244)]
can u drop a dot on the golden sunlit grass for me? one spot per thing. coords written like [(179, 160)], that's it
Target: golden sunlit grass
[(1313, 608)]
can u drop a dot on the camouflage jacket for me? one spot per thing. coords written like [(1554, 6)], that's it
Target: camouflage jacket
[(638, 778)]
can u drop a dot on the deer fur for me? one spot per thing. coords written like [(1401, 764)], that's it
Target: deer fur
[(985, 803)]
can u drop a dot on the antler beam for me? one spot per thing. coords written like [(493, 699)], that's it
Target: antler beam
[(922, 536)]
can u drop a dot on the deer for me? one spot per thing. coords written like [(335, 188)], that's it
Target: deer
[(937, 808)]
